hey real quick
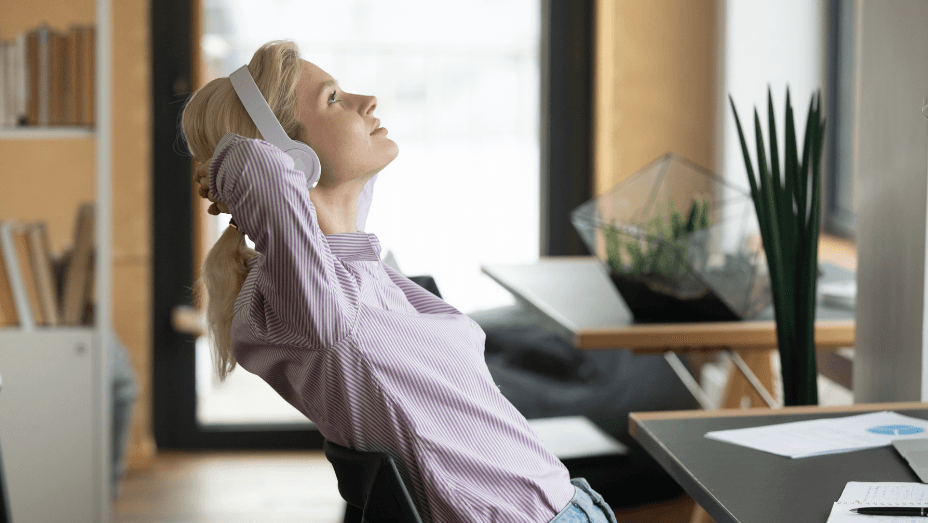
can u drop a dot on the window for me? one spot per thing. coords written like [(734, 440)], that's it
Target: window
[(459, 92)]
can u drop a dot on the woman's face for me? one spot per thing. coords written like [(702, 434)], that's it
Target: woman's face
[(341, 129)]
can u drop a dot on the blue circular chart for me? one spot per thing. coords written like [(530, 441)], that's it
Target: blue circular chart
[(896, 430)]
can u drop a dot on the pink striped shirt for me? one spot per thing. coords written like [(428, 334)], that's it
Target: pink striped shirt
[(374, 360)]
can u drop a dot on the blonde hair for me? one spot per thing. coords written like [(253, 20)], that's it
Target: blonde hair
[(211, 112)]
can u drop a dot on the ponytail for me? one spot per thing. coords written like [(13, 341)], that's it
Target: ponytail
[(211, 112)]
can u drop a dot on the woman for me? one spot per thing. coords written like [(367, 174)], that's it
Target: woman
[(374, 360)]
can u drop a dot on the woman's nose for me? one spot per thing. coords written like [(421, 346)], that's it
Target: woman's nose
[(372, 100)]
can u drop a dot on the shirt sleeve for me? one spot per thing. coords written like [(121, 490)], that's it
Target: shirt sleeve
[(421, 299), (310, 298)]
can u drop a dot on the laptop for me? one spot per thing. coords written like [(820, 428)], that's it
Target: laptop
[(915, 451)]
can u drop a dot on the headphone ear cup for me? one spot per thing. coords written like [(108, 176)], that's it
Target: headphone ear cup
[(306, 160)]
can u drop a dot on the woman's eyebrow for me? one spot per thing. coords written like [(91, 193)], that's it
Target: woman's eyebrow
[(328, 83)]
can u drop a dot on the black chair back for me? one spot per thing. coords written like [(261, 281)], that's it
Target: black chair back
[(5, 516), (371, 482)]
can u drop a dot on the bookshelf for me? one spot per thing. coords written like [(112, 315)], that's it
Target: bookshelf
[(55, 399)]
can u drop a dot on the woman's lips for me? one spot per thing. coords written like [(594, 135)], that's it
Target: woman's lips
[(380, 130)]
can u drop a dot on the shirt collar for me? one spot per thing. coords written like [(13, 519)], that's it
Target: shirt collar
[(354, 246)]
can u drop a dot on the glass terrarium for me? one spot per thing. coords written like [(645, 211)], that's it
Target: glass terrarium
[(680, 244)]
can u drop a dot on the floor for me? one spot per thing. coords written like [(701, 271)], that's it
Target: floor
[(266, 487), (231, 487)]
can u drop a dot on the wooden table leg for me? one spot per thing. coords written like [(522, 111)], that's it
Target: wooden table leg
[(738, 391), (740, 394), (700, 516)]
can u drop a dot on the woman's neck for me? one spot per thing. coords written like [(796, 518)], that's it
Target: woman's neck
[(336, 210)]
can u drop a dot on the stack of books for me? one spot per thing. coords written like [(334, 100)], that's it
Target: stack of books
[(47, 77), (41, 288)]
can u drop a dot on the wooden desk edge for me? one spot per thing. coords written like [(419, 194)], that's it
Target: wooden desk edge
[(829, 334), (636, 418)]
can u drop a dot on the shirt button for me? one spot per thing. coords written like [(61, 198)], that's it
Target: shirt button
[(473, 324)]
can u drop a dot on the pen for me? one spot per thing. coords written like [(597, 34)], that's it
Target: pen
[(892, 511)]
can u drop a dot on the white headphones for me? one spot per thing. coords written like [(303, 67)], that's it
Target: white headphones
[(304, 158)]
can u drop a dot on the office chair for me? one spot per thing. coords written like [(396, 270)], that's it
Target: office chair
[(369, 482), (5, 516), (371, 485)]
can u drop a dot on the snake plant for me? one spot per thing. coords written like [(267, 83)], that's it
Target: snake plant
[(788, 210)]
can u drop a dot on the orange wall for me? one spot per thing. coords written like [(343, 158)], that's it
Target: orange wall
[(654, 84)]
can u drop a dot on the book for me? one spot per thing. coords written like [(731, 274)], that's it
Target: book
[(88, 315), (43, 75), (60, 267), (859, 494), (27, 271), (47, 77), (77, 277), (22, 79), (8, 314), (40, 255), (32, 66), (88, 83), (11, 261), (57, 75), (72, 108)]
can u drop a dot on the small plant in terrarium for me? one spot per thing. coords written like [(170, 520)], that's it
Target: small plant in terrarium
[(699, 261), (669, 258)]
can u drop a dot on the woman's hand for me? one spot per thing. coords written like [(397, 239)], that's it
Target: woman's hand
[(217, 206)]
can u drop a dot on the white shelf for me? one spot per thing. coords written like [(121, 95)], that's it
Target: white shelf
[(46, 133), (56, 399)]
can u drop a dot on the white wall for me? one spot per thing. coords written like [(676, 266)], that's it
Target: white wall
[(775, 44), (768, 43)]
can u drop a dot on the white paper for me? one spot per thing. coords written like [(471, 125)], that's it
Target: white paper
[(860, 494), (802, 439), (570, 437)]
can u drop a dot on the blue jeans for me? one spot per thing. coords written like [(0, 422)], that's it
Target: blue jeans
[(587, 506)]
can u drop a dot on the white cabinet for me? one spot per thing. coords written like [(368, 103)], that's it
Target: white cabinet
[(51, 424)]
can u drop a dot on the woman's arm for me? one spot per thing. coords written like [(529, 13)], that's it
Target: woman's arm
[(310, 298)]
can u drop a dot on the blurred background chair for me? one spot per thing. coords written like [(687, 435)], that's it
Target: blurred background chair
[(5, 516)]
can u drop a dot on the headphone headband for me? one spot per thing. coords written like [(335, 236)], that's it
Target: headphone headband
[(304, 158), (257, 107)]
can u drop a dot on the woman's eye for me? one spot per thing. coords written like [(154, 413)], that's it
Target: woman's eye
[(332, 98)]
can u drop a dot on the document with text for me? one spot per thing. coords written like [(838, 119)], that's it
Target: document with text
[(802, 439), (861, 494)]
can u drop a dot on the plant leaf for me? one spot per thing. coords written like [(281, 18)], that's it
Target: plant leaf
[(755, 193), (811, 387), (804, 171), (774, 252), (774, 155)]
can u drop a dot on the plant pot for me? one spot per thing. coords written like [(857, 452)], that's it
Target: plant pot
[(651, 299)]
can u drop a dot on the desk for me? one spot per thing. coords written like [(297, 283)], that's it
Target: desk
[(736, 484), (578, 300)]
